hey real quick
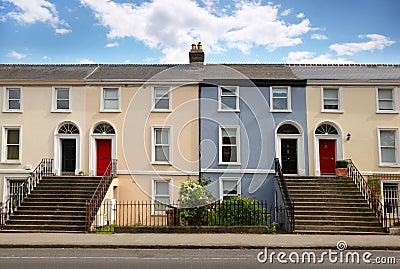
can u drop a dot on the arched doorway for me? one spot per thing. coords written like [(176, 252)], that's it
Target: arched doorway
[(67, 149), (102, 148), (328, 148), (290, 148)]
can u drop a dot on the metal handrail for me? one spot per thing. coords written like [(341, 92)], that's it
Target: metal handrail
[(369, 195), (94, 203), (44, 168), (289, 203)]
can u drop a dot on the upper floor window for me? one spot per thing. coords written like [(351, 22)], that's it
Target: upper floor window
[(162, 99), (229, 145), (61, 99), (331, 99), (386, 100), (388, 146), (161, 145), (12, 99), (228, 98), (110, 100), (280, 99), (12, 144)]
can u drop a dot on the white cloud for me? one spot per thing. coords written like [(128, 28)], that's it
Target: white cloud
[(211, 5), (32, 11), (86, 61), (112, 45), (319, 37), (16, 55), (63, 31), (300, 16), (172, 26), (376, 42), (307, 57), (286, 12)]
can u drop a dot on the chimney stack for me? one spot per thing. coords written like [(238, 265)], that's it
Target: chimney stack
[(196, 54)]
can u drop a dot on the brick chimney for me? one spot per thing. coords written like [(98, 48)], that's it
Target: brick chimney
[(196, 54)]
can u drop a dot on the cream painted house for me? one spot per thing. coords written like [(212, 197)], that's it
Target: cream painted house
[(353, 113), (82, 116)]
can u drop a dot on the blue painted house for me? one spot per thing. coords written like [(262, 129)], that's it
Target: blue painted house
[(250, 114)]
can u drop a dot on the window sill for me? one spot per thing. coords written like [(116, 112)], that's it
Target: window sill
[(221, 163), (61, 111), (110, 111), (332, 111), (161, 163), (162, 110), (13, 111), (394, 165), (11, 162), (387, 112), (281, 111), (228, 110)]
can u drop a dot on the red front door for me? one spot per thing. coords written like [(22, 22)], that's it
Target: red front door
[(327, 156), (103, 155)]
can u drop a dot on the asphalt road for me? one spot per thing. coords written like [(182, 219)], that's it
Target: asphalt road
[(179, 258)]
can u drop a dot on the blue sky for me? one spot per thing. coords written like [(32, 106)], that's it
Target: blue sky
[(161, 31)]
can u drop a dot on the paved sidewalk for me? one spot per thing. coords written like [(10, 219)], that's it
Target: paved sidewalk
[(226, 241)]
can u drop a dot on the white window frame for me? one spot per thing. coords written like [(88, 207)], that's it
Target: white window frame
[(288, 97), (154, 194), (102, 108), (153, 145), (54, 99), (220, 96), (6, 107), (4, 143), (394, 100), (340, 100), (168, 96), (221, 186), (237, 145), (396, 149)]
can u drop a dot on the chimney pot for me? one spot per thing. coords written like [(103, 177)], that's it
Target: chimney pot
[(194, 47), (199, 47)]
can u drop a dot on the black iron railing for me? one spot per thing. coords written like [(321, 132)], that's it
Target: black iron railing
[(289, 203), (94, 203), (372, 198), (23, 189), (245, 212)]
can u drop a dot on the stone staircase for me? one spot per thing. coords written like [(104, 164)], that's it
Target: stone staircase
[(57, 204), (331, 205)]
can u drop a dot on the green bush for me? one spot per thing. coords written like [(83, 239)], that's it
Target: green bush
[(238, 211)]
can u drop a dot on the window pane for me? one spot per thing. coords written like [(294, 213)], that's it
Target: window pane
[(388, 155), (12, 152), (230, 187), (14, 104), (110, 104), (161, 92), (331, 104), (62, 94), (162, 188), (279, 93), (162, 104), (386, 94), (160, 203), (280, 103), (13, 137), (162, 136), (162, 153), (228, 92), (385, 105), (63, 104), (229, 154), (388, 138), (229, 136), (111, 93), (14, 94), (228, 102), (331, 94)]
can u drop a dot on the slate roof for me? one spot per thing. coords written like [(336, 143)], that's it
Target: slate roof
[(45, 72), (347, 72)]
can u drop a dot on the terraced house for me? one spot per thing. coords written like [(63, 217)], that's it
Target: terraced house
[(268, 131)]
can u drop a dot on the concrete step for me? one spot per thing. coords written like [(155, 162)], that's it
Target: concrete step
[(50, 217), (54, 204), (45, 228), (342, 208), (323, 204), (55, 199), (51, 208), (41, 212), (366, 217), (337, 222), (44, 222), (334, 228)]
